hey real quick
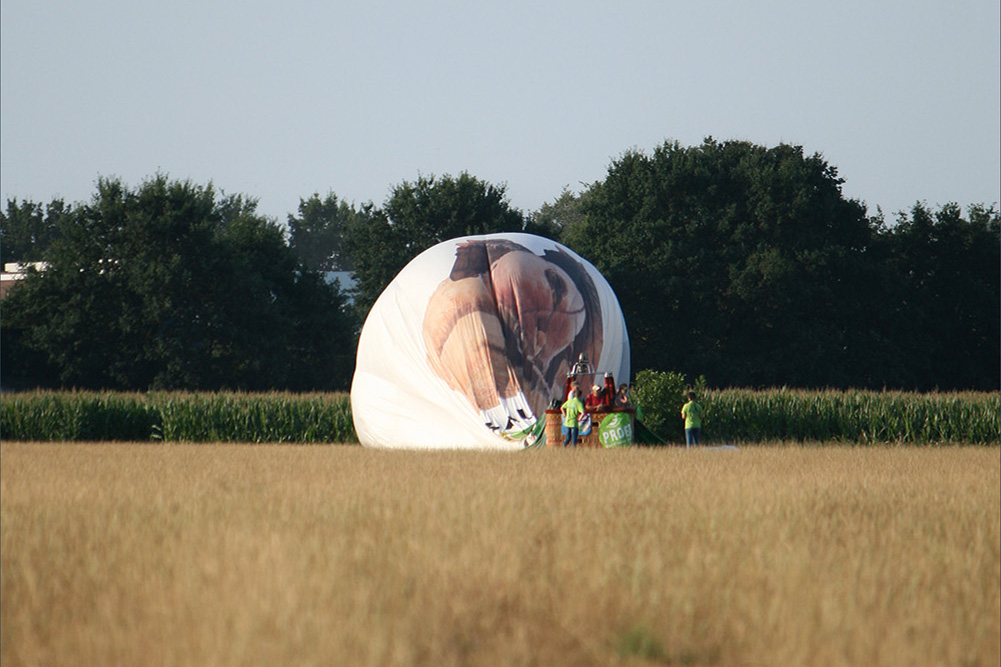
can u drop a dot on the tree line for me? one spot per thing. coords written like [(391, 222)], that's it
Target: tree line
[(733, 261)]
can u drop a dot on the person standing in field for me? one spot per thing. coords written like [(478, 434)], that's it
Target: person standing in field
[(691, 412), (572, 411)]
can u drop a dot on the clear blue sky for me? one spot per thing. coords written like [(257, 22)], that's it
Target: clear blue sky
[(282, 99)]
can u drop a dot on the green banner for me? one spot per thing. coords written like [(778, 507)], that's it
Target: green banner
[(616, 430)]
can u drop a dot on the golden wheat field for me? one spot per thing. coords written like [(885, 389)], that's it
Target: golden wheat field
[(313, 555)]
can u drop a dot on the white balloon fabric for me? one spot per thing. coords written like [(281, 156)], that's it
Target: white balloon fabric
[(469, 344)]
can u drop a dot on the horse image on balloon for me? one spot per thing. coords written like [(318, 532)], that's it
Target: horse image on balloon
[(506, 324)]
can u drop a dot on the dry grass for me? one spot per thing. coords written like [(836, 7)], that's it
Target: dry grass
[(284, 555)]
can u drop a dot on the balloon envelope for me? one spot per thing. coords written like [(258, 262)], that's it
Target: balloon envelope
[(474, 338)]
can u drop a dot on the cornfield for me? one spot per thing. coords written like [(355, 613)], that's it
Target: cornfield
[(863, 417), (177, 417), (228, 417), (732, 416)]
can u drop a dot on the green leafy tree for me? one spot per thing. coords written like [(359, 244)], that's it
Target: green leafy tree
[(169, 286), (660, 396), (417, 216), (732, 260), (27, 230), (944, 281), (552, 218), (317, 233)]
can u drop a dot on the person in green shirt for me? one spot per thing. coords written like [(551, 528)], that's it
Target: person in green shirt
[(692, 414), (572, 411)]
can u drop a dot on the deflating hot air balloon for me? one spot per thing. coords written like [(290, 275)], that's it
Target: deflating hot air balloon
[(474, 338)]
